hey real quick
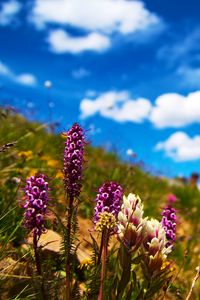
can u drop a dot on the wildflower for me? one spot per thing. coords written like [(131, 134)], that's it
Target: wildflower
[(73, 160), (72, 172), (169, 220), (36, 191), (52, 163), (32, 172), (106, 220), (16, 180), (171, 198), (85, 264), (155, 245), (131, 222), (26, 155), (59, 175), (108, 203)]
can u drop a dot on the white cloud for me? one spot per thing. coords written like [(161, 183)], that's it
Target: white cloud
[(175, 110), (117, 106), (24, 78), (80, 73), (61, 42), (4, 70), (189, 76), (180, 147), (105, 16), (169, 110), (8, 12), (98, 20)]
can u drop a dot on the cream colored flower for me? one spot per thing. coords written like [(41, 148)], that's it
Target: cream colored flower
[(130, 219), (154, 244)]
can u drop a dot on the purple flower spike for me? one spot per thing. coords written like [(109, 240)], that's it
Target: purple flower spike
[(73, 160), (108, 200), (169, 221), (36, 191)]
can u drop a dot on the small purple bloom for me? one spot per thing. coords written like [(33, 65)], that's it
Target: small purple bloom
[(36, 191), (171, 198), (169, 221), (73, 160), (108, 199)]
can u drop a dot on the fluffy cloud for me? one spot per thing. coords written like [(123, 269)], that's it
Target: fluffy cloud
[(105, 16), (80, 73), (168, 110), (175, 110), (98, 21), (24, 78), (61, 42), (8, 12), (117, 106), (180, 147)]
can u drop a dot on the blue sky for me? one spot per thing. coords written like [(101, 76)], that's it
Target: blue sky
[(127, 70)]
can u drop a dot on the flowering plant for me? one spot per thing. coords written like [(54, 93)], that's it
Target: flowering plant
[(137, 246)]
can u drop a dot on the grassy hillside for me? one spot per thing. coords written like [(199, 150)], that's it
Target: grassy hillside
[(28, 148)]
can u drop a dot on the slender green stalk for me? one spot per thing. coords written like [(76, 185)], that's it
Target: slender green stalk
[(104, 260), (100, 250), (68, 241), (126, 271), (38, 264)]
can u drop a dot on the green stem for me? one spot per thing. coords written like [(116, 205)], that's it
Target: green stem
[(37, 257), (100, 250), (104, 259), (38, 264), (126, 271), (68, 262)]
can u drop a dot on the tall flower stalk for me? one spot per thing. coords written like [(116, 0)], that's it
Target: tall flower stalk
[(108, 203), (72, 170), (130, 234), (36, 192), (156, 268)]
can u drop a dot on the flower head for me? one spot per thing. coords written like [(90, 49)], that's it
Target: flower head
[(155, 245), (108, 200), (26, 155), (73, 160), (106, 220), (131, 222), (171, 198), (36, 191), (169, 221)]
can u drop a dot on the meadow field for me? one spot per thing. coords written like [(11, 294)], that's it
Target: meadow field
[(79, 253)]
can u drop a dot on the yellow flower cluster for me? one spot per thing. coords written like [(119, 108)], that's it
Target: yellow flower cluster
[(85, 263), (26, 155), (106, 220)]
